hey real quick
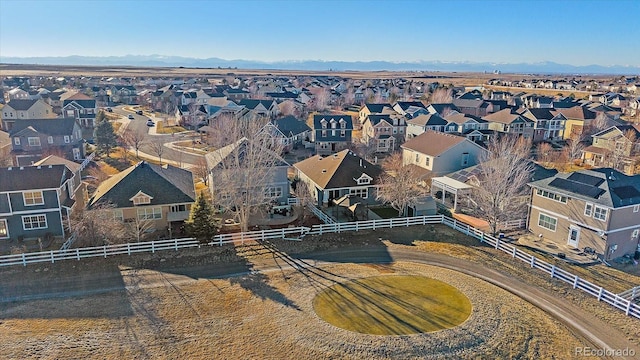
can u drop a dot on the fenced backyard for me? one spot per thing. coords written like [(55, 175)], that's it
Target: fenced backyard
[(297, 233)]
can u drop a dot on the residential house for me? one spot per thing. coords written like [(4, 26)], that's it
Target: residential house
[(37, 201), (236, 94), (510, 122), (331, 132), (422, 123), (548, 124), (597, 209), (228, 162), (291, 131), (617, 146), (377, 131), (149, 197), (82, 108), (578, 118), (334, 176), (31, 139), (373, 108), (18, 110), (266, 108), (443, 109), (18, 94), (123, 94), (410, 109), (474, 107), (440, 153)]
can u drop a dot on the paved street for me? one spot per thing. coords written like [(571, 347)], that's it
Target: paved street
[(169, 153)]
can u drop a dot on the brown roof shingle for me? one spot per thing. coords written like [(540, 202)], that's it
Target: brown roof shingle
[(433, 143)]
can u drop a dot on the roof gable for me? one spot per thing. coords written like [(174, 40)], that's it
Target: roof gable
[(340, 170)]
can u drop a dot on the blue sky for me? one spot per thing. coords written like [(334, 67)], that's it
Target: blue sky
[(573, 32)]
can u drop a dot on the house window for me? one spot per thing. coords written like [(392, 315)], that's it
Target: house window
[(273, 191), (465, 159), (4, 230), (363, 181), (118, 215), (34, 222), (343, 133), (16, 141), (547, 222), (33, 198), (588, 209), (417, 158), (34, 141), (343, 124), (333, 133), (50, 139), (178, 208), (362, 192), (150, 213), (552, 196), (427, 161), (636, 208), (76, 154), (600, 213), (66, 139), (140, 200), (324, 133)]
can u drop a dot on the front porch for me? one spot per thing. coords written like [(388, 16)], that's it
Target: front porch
[(450, 193)]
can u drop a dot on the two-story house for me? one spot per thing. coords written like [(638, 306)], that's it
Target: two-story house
[(424, 122), (441, 153), (148, 196), (510, 122), (598, 209), (19, 109), (266, 108), (617, 146), (579, 119), (36, 201), (334, 176), (31, 139), (331, 132), (548, 124), (82, 108)]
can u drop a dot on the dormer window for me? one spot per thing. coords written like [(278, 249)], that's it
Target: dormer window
[(364, 179), (141, 199), (333, 124), (324, 123), (343, 124)]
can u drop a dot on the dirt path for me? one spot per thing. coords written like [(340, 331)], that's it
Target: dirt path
[(80, 283)]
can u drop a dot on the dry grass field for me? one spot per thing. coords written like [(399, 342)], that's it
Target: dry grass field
[(160, 311)]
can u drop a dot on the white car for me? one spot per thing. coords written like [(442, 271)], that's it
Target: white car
[(130, 117), (150, 122)]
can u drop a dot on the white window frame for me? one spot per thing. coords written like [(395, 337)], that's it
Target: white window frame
[(551, 195), (588, 209), (141, 200), (50, 139), (149, 213), (34, 219), (361, 192), (118, 214), (599, 210), (4, 229), (67, 139), (16, 141), (555, 225), (33, 196), (34, 141), (273, 191)]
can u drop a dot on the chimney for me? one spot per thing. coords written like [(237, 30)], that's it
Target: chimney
[(360, 162)]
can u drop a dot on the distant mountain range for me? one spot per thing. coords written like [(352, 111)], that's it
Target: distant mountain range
[(546, 67)]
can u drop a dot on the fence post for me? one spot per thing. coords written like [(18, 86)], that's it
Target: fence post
[(628, 307), (24, 260), (374, 224), (52, 261), (241, 238), (357, 226), (424, 220), (78, 254), (513, 252), (176, 241), (575, 281), (600, 293), (482, 237), (153, 247), (104, 250), (468, 230), (533, 261), (553, 271), (129, 249), (455, 223), (497, 242), (407, 220)]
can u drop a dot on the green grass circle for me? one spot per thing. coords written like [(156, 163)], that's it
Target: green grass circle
[(393, 305)]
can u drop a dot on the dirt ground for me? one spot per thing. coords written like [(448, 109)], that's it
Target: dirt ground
[(157, 310)]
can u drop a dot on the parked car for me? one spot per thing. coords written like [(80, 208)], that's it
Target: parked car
[(150, 122), (109, 109), (130, 117), (139, 112)]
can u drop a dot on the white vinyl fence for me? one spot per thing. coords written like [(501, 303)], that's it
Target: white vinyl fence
[(617, 301)]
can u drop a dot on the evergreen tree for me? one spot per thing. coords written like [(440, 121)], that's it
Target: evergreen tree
[(200, 224), (104, 135)]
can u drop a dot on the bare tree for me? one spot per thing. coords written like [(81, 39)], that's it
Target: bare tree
[(5, 158), (601, 122), (133, 139), (400, 184), (574, 149), (243, 171), (157, 146), (304, 194), (287, 108), (321, 97), (199, 169), (500, 194), (545, 153), (442, 96), (97, 227)]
